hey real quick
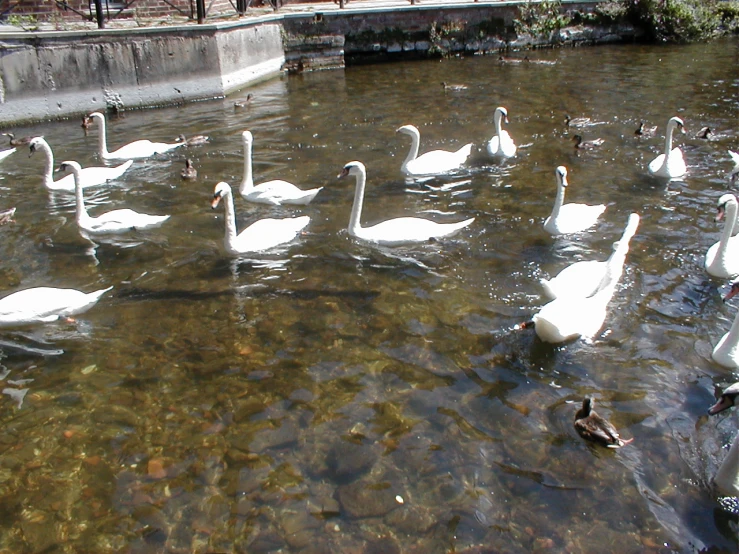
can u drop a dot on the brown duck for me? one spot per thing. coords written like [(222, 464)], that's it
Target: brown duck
[(593, 427)]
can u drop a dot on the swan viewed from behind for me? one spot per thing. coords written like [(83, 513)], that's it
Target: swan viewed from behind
[(271, 192), (116, 221), (138, 149), (570, 218), (583, 278), (568, 318), (670, 164), (397, 231), (435, 162), (89, 176), (722, 258), (45, 304), (501, 145), (261, 235)]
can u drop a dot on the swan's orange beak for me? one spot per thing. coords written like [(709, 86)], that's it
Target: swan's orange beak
[(733, 291), (216, 200), (719, 213)]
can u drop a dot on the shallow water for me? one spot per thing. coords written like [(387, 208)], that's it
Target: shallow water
[(337, 397)]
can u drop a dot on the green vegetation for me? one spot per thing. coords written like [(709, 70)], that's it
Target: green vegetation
[(540, 19), (25, 22)]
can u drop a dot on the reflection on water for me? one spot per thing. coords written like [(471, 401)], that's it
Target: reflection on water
[(336, 397)]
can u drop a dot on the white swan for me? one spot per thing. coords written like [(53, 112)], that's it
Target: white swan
[(570, 218), (670, 164), (583, 278), (137, 149), (272, 192), (435, 162), (89, 176), (45, 304), (726, 479), (261, 235), (5, 153), (392, 232), (568, 318), (722, 258), (116, 221), (734, 173), (501, 145), (726, 351)]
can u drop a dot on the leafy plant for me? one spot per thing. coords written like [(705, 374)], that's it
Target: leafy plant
[(25, 22), (540, 19)]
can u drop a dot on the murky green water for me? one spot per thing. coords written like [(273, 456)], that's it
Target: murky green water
[(337, 397)]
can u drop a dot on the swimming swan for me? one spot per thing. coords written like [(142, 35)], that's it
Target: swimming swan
[(726, 351), (263, 234), (570, 218), (583, 278), (45, 304), (116, 221), (89, 176), (272, 192), (722, 258), (401, 230), (501, 145), (670, 164), (5, 153), (137, 149), (435, 162), (726, 479), (568, 318)]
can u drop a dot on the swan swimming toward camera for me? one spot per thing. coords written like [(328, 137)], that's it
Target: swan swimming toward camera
[(138, 149), (570, 218), (501, 145), (393, 232), (722, 258), (116, 221), (271, 192), (583, 278), (726, 479), (568, 318), (45, 304), (261, 235), (89, 176), (435, 162), (726, 351), (670, 164)]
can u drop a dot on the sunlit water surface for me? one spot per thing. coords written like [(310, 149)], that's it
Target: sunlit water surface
[(337, 397)]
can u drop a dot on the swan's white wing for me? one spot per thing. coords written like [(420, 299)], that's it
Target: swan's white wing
[(579, 279), (281, 192), (123, 220), (403, 230), (269, 232), (437, 162)]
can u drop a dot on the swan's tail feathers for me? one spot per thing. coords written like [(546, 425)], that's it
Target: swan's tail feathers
[(99, 293), (549, 292), (734, 157), (125, 165), (466, 150), (461, 224)]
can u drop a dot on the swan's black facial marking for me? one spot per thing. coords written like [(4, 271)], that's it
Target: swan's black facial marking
[(345, 171)]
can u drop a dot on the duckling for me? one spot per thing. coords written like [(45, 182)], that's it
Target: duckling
[(453, 87), (505, 59), (704, 133), (197, 140), (6, 216), (17, 141), (586, 144), (644, 131), (243, 103), (576, 121), (593, 427), (726, 400), (189, 172)]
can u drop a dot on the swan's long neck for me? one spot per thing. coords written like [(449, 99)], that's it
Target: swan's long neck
[(413, 152), (727, 476), (497, 119), (732, 337), (615, 264), (559, 200), (230, 236), (102, 143), (668, 139), (49, 169), (729, 222), (81, 212), (354, 220), (247, 183)]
